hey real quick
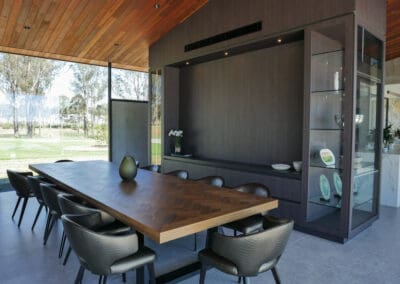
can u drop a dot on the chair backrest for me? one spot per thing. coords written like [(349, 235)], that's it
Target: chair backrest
[(249, 252), (254, 188), (63, 161), (34, 182), (19, 182), (179, 174), (50, 193), (96, 252), (70, 204), (212, 180), (152, 168)]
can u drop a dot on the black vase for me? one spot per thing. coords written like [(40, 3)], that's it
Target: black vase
[(128, 168)]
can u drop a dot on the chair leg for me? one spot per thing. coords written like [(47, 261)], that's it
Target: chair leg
[(246, 280), (22, 211), (53, 219), (104, 279), (62, 244), (239, 279), (16, 207), (100, 279), (195, 242), (234, 233), (67, 255), (152, 274), (79, 276), (37, 216), (124, 277), (203, 272), (276, 275)]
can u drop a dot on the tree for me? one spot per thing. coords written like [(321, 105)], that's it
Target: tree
[(29, 77), (89, 85), (131, 85)]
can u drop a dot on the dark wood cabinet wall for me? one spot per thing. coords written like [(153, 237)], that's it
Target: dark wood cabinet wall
[(245, 108), (248, 109)]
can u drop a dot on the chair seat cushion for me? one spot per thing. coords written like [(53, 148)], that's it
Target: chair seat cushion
[(115, 228), (247, 225), (140, 258)]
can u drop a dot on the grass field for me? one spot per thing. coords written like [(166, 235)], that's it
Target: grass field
[(18, 153)]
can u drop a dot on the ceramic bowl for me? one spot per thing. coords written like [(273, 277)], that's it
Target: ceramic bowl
[(297, 165)]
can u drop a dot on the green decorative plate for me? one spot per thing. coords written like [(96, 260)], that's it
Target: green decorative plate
[(327, 157), (338, 183), (325, 187)]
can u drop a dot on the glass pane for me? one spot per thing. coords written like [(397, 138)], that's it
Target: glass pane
[(51, 110), (129, 85), (364, 198), (155, 104), (327, 123), (327, 71)]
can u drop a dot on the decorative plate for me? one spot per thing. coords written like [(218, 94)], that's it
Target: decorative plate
[(280, 167), (327, 157), (337, 181), (325, 187)]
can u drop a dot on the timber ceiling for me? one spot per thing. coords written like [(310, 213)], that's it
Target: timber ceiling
[(393, 29), (90, 31), (120, 31)]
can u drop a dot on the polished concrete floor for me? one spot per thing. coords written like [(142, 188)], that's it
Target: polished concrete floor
[(371, 257)]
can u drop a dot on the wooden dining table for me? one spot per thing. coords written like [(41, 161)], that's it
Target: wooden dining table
[(160, 207)]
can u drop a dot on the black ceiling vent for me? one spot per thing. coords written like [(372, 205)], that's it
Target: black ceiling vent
[(224, 36)]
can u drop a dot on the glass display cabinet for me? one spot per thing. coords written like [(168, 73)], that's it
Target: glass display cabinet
[(342, 126)]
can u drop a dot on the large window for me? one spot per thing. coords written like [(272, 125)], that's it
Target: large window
[(51, 110), (155, 119), (129, 85)]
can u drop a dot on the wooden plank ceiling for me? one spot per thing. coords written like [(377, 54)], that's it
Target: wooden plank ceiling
[(393, 29), (90, 31), (96, 31)]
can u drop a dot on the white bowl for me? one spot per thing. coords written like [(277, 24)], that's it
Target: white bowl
[(297, 165)]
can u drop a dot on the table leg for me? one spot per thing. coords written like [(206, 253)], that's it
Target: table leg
[(140, 270)]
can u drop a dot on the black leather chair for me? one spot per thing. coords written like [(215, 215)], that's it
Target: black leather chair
[(152, 168), (212, 180), (19, 182), (63, 161), (50, 193), (103, 254), (72, 205), (253, 223), (179, 174), (247, 255), (34, 182)]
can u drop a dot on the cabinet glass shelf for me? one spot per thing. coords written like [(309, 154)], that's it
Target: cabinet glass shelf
[(358, 200)]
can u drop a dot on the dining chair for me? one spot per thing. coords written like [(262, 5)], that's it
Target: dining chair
[(247, 255), (253, 223), (34, 182), (106, 224), (63, 161), (19, 182), (103, 254), (152, 168), (49, 194), (216, 181), (182, 174)]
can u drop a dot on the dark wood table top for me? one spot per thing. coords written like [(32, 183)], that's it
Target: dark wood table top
[(161, 207)]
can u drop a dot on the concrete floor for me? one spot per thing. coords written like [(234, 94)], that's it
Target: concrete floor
[(371, 257)]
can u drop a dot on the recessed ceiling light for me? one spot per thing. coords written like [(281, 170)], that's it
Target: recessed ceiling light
[(279, 40), (27, 27), (187, 62), (226, 53), (156, 5)]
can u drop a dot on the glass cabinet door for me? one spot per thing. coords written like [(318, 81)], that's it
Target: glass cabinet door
[(327, 124), (367, 104)]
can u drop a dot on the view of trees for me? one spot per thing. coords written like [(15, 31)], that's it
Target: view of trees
[(26, 83)]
